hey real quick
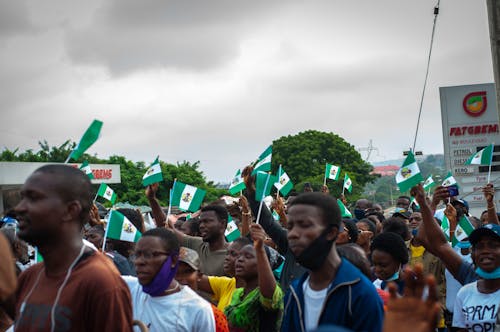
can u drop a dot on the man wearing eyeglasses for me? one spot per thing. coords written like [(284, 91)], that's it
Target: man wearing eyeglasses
[(158, 300)]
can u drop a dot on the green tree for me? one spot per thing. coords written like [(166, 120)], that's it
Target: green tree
[(130, 189), (304, 157)]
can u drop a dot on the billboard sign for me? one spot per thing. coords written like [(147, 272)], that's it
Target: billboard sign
[(470, 122)]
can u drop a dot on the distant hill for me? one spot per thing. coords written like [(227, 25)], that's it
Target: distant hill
[(436, 160), (388, 162)]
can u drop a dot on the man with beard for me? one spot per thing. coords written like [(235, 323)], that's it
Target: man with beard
[(334, 292), (75, 288), (211, 246)]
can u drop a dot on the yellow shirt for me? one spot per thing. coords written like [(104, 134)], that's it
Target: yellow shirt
[(417, 254), (223, 289)]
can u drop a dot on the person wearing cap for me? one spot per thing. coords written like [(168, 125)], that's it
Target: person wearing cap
[(188, 274), (434, 239), (476, 306)]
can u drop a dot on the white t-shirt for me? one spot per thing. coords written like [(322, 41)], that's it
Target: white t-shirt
[(181, 311), (313, 303), (452, 285), (475, 311)]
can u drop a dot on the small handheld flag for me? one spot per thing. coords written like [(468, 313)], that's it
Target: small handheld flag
[(344, 211), (483, 157), (153, 174), (186, 197), (85, 167), (332, 172), (237, 184), (264, 162), (429, 183), (263, 184), (347, 183), (283, 183), (120, 228), (463, 230), (408, 175), (89, 137), (449, 180), (106, 192), (232, 232)]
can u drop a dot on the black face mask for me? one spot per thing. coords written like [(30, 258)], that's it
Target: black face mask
[(313, 257), (359, 213)]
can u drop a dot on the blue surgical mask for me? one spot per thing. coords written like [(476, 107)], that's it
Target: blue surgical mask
[(395, 276), (463, 244), (495, 274)]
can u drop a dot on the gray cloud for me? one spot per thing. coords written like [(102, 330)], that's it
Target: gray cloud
[(195, 35), (218, 81), (14, 18)]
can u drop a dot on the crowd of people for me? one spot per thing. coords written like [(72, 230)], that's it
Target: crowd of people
[(313, 269)]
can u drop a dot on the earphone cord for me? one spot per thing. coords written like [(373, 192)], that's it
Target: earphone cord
[(59, 291)]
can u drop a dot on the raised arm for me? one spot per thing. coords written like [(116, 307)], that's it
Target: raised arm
[(204, 284), (489, 195), (272, 228), (267, 282), (279, 207), (436, 242), (246, 216), (159, 216)]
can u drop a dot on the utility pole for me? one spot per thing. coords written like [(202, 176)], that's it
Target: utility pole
[(494, 27), (369, 150)]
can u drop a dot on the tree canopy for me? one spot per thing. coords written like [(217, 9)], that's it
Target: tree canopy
[(304, 157), (130, 189)]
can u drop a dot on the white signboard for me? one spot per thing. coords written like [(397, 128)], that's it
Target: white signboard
[(470, 122), (15, 173)]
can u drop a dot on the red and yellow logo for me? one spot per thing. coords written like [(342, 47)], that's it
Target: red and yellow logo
[(475, 103)]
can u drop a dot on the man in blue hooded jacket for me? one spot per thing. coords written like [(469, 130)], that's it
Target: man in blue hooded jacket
[(334, 292)]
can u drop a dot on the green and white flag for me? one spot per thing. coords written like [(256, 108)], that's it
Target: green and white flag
[(106, 192), (120, 228), (483, 157), (237, 184), (89, 137), (429, 183), (232, 232), (445, 226), (284, 184), (347, 183), (153, 174), (332, 172), (38, 256), (408, 175), (263, 184), (264, 162), (85, 167), (449, 180), (344, 211), (276, 216), (463, 230), (186, 197)]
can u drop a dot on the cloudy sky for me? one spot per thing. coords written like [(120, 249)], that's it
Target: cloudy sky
[(218, 81)]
